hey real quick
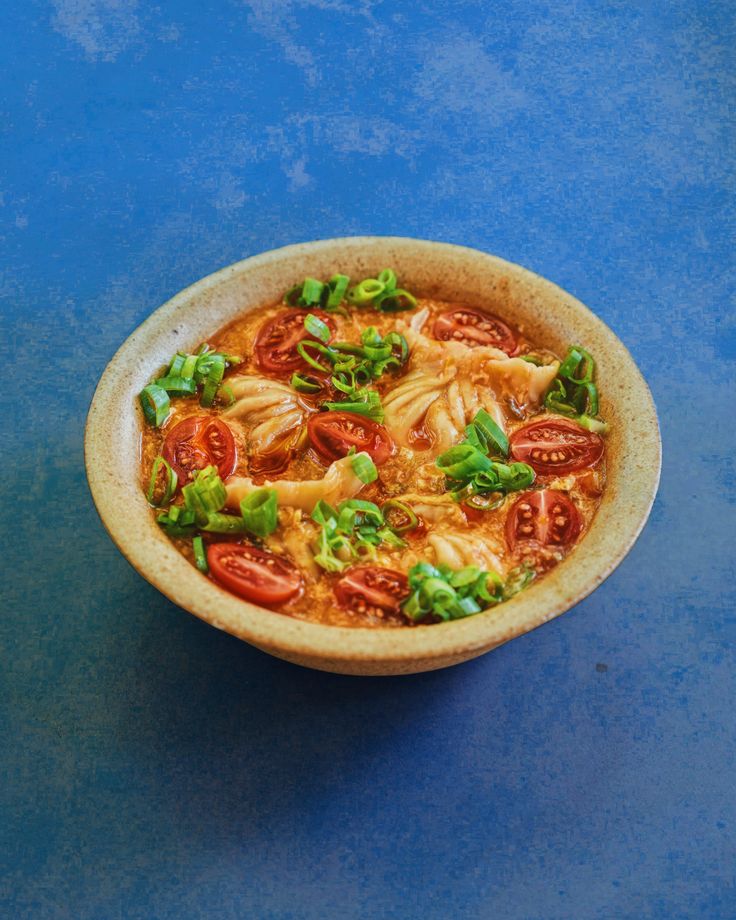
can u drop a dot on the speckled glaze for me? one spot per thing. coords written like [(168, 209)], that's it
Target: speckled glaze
[(429, 269)]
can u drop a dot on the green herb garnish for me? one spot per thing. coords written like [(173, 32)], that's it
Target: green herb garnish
[(351, 531), (449, 594), (476, 466), (381, 293), (204, 499), (573, 392), (183, 377)]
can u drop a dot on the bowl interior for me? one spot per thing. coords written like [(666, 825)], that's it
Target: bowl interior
[(551, 317)]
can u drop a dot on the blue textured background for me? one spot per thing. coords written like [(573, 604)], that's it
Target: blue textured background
[(155, 768)]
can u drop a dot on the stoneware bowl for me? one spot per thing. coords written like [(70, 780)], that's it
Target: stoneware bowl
[(431, 269)]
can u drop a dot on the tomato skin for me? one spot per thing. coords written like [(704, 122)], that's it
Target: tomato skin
[(333, 434), (254, 574), (556, 445), (546, 518), (372, 586), (199, 441), (275, 345), (474, 327)]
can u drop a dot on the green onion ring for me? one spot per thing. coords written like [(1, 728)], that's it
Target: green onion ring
[(388, 279), (260, 512), (177, 386), (171, 482), (337, 285), (304, 383), (214, 378), (155, 403), (394, 507), (302, 349), (316, 327), (311, 292), (395, 301), (365, 292), (364, 468)]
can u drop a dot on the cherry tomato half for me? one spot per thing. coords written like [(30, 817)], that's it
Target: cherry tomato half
[(472, 327), (275, 346), (369, 587), (547, 518), (197, 442), (253, 573), (556, 445), (333, 434)]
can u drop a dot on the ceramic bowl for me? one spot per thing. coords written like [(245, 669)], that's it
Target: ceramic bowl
[(440, 270)]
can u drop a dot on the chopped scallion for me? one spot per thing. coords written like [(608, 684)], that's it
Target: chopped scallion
[(155, 403), (316, 327), (169, 486), (200, 556), (260, 512), (364, 468)]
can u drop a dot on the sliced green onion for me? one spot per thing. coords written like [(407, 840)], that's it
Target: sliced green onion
[(592, 424), (450, 594), (200, 557), (370, 406), (395, 301), (260, 512), (366, 291), (155, 403), (303, 349), (573, 392), (177, 365), (214, 377), (368, 512), (177, 521), (224, 523), (388, 279), (311, 292), (338, 285), (390, 537), (396, 340), (314, 326), (178, 386), (578, 365), (205, 494), (303, 383), (399, 516), (493, 436), (462, 461), (292, 296), (323, 512), (364, 468), (171, 481), (225, 395), (189, 366)]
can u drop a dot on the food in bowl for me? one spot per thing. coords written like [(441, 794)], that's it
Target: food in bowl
[(355, 455)]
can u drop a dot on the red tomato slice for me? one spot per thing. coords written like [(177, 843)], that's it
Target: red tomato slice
[(556, 445), (547, 518), (333, 434), (197, 442), (365, 588), (253, 573), (472, 327), (275, 346)]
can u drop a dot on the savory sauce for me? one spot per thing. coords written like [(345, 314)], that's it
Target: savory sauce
[(511, 497)]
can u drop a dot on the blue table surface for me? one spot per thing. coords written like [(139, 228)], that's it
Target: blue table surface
[(153, 767)]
